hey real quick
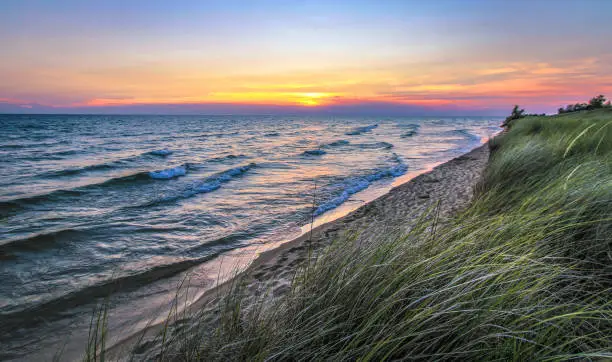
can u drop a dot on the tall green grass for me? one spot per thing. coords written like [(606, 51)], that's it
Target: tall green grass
[(525, 273)]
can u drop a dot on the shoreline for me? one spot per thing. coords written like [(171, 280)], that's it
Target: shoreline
[(450, 183)]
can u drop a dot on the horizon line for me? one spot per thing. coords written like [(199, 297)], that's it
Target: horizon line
[(235, 114)]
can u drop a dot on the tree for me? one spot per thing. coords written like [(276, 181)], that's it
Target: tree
[(517, 113), (597, 102), (594, 103)]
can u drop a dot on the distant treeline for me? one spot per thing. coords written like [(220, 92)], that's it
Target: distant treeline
[(594, 103)]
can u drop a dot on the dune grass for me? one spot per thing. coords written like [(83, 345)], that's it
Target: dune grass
[(525, 273)]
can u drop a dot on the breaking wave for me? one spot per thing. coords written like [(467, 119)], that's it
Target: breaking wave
[(169, 173), (208, 185), (215, 182), (358, 184)]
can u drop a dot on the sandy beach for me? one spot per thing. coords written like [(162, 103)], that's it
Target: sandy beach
[(449, 186)]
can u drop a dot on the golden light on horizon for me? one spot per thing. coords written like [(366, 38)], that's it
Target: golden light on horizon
[(313, 99), (309, 102), (472, 86)]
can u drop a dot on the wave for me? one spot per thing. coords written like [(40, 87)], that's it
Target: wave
[(30, 144), (114, 164), (158, 174), (272, 134), (224, 158), (210, 184), (169, 173), (62, 153), (12, 205), (52, 308), (51, 237), (35, 242), (215, 182), (8, 207), (78, 170), (409, 134), (164, 152), (414, 126), (411, 129), (221, 134), (338, 143), (358, 184), (102, 166), (12, 146), (317, 152), (359, 130), (465, 134), (376, 145)]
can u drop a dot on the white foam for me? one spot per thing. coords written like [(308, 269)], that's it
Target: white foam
[(215, 182), (360, 184), (169, 173)]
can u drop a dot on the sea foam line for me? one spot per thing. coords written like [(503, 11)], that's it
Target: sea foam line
[(360, 184), (213, 183)]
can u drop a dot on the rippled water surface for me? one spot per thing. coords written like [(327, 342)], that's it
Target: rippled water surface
[(90, 200)]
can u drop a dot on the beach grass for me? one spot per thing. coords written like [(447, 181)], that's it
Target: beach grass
[(525, 273)]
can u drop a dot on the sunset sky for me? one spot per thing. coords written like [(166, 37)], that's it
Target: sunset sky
[(369, 57)]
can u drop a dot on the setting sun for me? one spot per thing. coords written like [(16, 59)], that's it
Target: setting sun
[(313, 99)]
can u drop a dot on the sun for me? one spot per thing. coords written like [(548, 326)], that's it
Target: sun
[(309, 102), (312, 98)]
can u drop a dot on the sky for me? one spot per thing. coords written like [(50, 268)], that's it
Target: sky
[(381, 57)]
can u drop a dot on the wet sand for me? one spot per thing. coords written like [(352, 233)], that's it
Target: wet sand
[(449, 186)]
